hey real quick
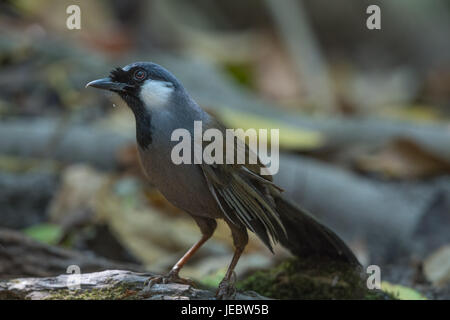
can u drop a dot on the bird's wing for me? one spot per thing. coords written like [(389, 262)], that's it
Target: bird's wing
[(243, 194)]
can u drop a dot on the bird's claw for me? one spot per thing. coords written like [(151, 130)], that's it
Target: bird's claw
[(171, 277), (227, 289)]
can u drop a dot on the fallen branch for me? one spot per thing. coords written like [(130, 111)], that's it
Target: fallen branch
[(21, 256), (384, 215)]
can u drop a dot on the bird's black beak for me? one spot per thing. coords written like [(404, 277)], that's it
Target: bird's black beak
[(107, 84)]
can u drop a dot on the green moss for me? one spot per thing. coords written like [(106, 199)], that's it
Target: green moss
[(242, 73), (211, 282), (379, 295), (309, 279), (401, 292), (44, 232), (116, 292)]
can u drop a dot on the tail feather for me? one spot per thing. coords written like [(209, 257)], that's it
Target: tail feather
[(308, 237)]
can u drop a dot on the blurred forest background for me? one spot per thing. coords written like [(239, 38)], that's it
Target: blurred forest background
[(364, 119)]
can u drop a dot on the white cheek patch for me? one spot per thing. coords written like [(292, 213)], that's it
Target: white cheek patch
[(156, 94)]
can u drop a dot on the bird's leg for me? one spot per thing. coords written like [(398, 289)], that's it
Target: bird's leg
[(226, 288), (207, 227)]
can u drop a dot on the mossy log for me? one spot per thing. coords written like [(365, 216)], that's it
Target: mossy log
[(291, 279), (105, 285), (311, 279)]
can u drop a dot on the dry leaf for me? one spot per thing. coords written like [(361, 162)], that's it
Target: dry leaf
[(403, 159), (437, 266)]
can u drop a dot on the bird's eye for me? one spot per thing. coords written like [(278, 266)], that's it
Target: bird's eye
[(140, 75)]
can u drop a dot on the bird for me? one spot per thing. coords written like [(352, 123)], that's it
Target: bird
[(237, 193)]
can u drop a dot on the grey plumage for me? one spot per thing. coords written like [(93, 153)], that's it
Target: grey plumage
[(236, 193)]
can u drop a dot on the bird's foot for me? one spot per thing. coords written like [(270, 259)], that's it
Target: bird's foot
[(171, 277), (227, 289)]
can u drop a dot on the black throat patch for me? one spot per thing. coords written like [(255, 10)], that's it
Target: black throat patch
[(143, 120)]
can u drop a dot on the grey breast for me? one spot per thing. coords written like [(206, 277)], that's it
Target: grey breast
[(184, 185)]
